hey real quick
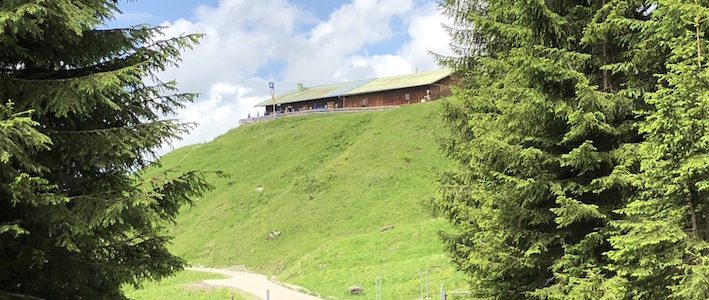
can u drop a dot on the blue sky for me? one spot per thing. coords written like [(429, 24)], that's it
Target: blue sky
[(251, 42), (156, 11)]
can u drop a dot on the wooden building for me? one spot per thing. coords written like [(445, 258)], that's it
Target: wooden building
[(378, 92)]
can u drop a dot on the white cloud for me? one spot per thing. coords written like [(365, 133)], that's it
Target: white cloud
[(217, 113), (426, 34), (245, 37), (346, 33)]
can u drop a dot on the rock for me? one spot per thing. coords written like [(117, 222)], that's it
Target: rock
[(259, 189), (355, 290), (273, 235), (387, 228)]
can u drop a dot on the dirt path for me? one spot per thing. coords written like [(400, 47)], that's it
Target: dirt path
[(254, 284)]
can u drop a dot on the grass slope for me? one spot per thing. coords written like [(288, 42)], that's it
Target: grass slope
[(182, 287), (330, 184)]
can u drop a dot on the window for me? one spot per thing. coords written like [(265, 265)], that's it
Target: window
[(407, 97), (364, 102)]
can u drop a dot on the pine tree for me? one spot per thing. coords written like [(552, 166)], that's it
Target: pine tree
[(78, 216), (544, 130), (660, 249)]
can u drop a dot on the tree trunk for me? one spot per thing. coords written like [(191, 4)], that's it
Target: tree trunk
[(706, 221), (693, 212), (606, 80)]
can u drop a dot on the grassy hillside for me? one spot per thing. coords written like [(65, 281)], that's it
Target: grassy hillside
[(330, 184)]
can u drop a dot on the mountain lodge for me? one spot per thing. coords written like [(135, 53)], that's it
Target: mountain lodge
[(369, 93)]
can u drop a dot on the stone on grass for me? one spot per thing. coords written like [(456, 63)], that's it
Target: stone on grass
[(387, 228), (273, 235), (355, 290)]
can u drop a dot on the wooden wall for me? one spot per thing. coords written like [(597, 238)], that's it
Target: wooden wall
[(399, 97), (384, 98)]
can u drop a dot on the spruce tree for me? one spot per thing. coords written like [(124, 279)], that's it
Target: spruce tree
[(82, 116), (544, 130), (660, 247)]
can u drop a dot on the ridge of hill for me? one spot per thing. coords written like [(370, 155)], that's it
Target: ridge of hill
[(324, 202)]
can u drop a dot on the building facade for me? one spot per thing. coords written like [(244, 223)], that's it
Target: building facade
[(379, 92)]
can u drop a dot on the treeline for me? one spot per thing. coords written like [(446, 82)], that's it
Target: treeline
[(580, 129)]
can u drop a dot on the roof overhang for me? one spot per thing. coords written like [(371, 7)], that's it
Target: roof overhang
[(359, 87)]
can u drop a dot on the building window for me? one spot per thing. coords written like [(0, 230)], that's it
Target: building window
[(407, 97), (364, 102)]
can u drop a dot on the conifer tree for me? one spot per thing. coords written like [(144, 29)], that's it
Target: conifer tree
[(544, 131), (81, 118), (660, 248)]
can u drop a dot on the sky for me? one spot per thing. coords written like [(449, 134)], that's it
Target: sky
[(249, 43)]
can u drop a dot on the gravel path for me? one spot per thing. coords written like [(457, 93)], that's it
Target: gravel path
[(254, 284)]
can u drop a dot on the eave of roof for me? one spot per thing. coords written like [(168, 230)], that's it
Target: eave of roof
[(400, 82), (359, 87)]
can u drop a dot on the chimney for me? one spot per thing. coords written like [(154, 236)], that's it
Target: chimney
[(300, 87)]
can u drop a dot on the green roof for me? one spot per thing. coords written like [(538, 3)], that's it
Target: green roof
[(400, 82), (314, 93), (359, 87)]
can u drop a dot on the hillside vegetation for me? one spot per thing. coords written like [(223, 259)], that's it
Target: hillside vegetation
[(345, 191)]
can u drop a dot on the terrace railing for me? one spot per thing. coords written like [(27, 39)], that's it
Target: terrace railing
[(314, 111)]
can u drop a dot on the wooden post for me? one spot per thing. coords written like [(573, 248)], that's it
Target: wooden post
[(273, 97), (420, 285), (428, 296)]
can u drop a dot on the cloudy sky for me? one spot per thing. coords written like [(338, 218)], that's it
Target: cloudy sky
[(251, 42)]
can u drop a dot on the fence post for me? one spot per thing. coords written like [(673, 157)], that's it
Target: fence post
[(420, 285), (378, 292), (268, 295), (428, 295), (443, 293), (381, 289)]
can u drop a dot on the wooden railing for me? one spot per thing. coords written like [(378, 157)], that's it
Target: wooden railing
[(315, 111)]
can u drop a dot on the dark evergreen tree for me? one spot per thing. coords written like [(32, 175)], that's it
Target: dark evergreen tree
[(78, 218), (544, 130)]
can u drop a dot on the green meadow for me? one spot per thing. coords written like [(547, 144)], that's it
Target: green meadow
[(344, 192)]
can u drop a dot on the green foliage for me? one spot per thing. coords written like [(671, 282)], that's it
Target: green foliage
[(78, 218), (580, 133), (541, 132), (660, 246), (19, 139)]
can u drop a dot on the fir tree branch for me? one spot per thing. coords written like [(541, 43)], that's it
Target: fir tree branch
[(143, 56), (697, 25), (125, 127)]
